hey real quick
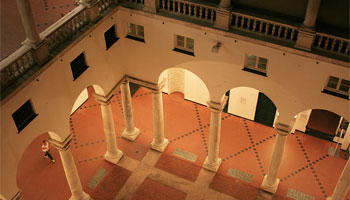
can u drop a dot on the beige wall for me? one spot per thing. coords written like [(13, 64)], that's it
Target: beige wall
[(242, 102), (294, 82)]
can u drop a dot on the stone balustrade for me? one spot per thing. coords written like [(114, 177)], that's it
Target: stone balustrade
[(333, 44), (65, 27), (104, 4), (194, 10), (16, 64), (136, 1), (264, 27)]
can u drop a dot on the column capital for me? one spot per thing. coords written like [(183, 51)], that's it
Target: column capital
[(217, 107), (62, 146), (103, 100), (159, 87), (283, 129)]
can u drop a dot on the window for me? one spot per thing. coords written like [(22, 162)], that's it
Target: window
[(78, 66), (24, 115), (136, 32), (110, 37), (184, 45), (256, 64), (337, 87)]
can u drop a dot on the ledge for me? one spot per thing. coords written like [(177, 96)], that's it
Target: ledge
[(254, 71), (183, 51), (136, 38), (335, 94)]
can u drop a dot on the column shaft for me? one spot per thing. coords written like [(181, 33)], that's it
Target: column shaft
[(270, 182), (72, 176), (214, 137), (343, 184), (313, 7), (26, 13), (113, 154), (159, 143), (130, 131)]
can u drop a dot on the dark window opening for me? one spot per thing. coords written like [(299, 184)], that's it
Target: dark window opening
[(111, 37), (24, 115), (78, 66)]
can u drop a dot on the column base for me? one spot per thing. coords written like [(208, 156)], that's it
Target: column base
[(131, 136), (212, 167), (159, 147), (115, 158), (84, 196), (269, 188)]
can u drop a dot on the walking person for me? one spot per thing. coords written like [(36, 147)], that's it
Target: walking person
[(46, 149)]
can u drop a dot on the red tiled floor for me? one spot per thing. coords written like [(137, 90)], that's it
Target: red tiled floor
[(152, 190), (181, 118), (178, 167), (233, 187)]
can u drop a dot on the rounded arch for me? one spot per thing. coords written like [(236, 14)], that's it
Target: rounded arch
[(33, 169), (85, 94), (185, 81)]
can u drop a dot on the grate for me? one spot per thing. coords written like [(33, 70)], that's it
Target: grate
[(240, 174), (295, 194), (96, 179), (185, 155)]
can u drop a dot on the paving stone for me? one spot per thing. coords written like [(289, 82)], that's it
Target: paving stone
[(240, 174), (295, 194), (185, 155)]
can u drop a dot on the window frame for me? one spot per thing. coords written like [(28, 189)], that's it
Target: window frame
[(115, 38), (335, 91), (255, 69), (184, 49), (136, 36), (81, 69), (26, 121)]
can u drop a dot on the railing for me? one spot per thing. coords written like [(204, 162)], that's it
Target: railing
[(195, 10), (332, 44), (263, 26), (104, 4), (65, 27), (137, 1), (17, 63)]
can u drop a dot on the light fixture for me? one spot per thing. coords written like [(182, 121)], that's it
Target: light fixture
[(216, 47)]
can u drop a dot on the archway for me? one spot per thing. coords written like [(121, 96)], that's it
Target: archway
[(37, 176)]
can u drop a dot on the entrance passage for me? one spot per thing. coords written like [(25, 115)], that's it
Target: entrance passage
[(265, 110)]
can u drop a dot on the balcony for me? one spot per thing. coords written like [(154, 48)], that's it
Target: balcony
[(20, 66)]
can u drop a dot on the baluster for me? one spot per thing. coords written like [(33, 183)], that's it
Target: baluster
[(340, 45), (236, 21), (30, 58), (200, 12), (179, 7), (254, 25), (273, 29), (169, 5), (286, 31), (279, 31), (326, 42), (347, 50), (292, 34), (195, 10), (212, 15), (261, 26), (333, 44), (248, 23), (163, 3), (206, 13), (173, 6), (267, 28)]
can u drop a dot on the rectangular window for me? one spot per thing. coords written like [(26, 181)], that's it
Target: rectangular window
[(24, 115), (337, 87), (184, 45), (136, 32), (111, 37), (78, 66), (255, 64)]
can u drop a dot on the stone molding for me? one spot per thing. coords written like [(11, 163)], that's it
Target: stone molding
[(283, 129), (62, 146), (217, 107), (103, 100)]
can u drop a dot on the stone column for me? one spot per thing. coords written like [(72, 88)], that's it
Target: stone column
[(343, 184), (270, 182), (306, 33), (113, 154), (225, 4), (70, 169), (212, 162), (41, 49), (130, 132), (313, 7), (159, 143)]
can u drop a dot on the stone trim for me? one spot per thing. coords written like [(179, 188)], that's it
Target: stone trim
[(17, 196), (103, 100), (283, 129), (62, 146), (217, 107)]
